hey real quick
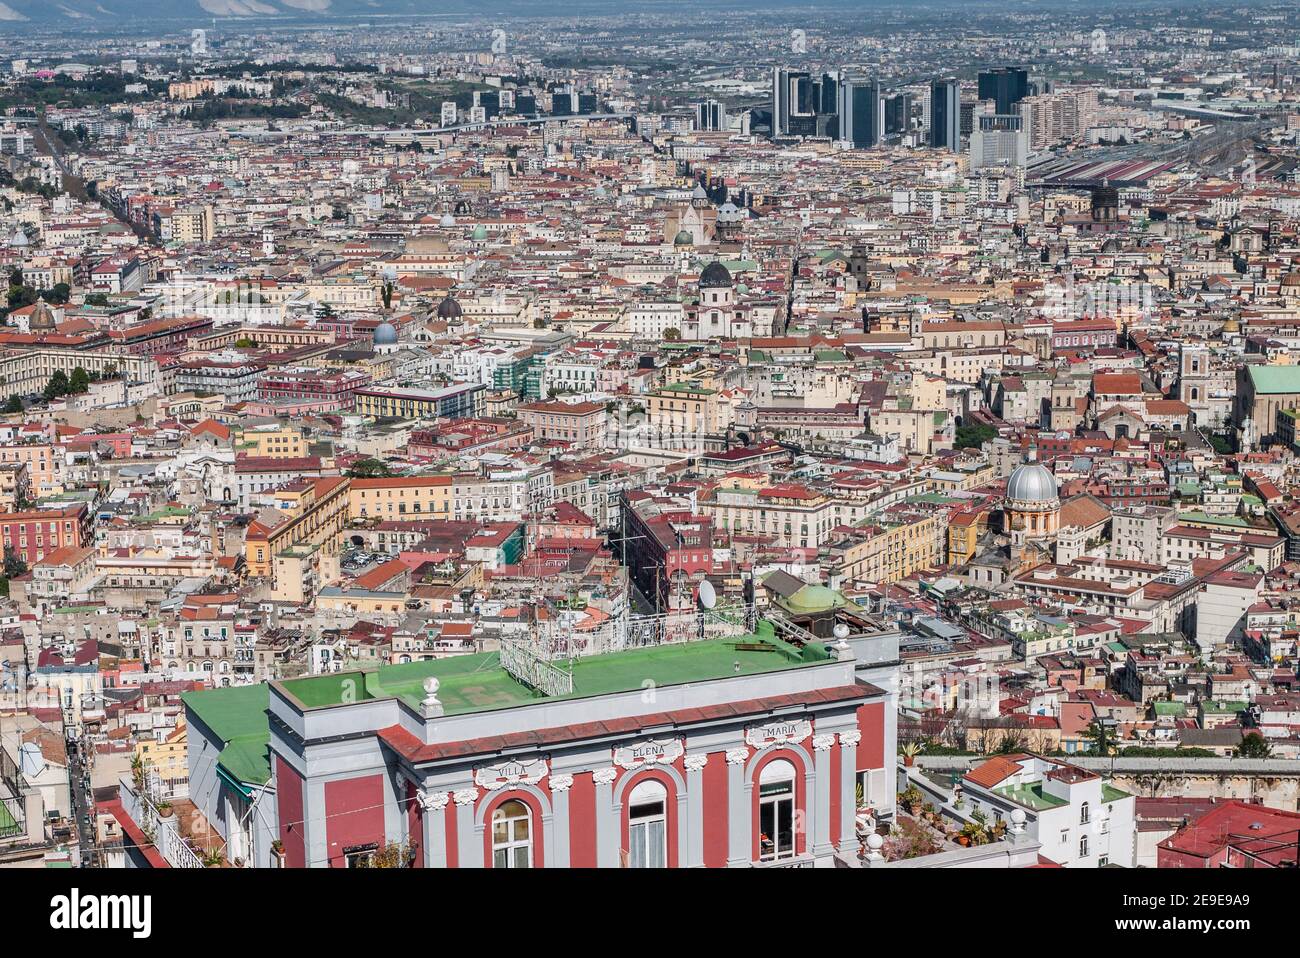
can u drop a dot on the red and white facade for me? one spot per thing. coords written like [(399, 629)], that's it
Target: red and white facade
[(747, 770)]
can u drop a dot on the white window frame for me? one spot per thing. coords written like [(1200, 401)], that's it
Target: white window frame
[(504, 851)]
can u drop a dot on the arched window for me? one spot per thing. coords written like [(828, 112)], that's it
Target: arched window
[(776, 811), (647, 820), (1085, 814), (512, 844)]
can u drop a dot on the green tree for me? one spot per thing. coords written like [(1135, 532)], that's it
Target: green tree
[(387, 294), (369, 468), (1253, 745), (15, 565), (973, 436), (80, 381), (57, 386), (1097, 735), (15, 404)]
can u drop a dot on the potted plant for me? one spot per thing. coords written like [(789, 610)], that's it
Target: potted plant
[(863, 812), (912, 800), (909, 751), (277, 853), (213, 859), (164, 809)]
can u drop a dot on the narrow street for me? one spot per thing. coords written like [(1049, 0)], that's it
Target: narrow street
[(83, 804)]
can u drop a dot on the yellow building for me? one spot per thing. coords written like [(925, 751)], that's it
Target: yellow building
[(272, 442), (964, 531), (685, 409), (312, 512), (794, 515), (403, 497), (890, 553), (166, 763)]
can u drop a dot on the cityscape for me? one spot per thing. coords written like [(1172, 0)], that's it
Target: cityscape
[(650, 435)]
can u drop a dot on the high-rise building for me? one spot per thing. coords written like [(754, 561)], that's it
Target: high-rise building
[(898, 113), (945, 114), (490, 101), (710, 115), (998, 140), (1005, 87), (860, 121), (796, 100)]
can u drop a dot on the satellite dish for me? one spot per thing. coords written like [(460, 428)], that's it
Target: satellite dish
[(708, 598), (841, 630)]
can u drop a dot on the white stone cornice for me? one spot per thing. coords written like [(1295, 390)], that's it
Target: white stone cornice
[(851, 737), (604, 776)]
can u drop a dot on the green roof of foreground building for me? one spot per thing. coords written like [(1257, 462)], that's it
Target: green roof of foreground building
[(477, 683), (237, 716)]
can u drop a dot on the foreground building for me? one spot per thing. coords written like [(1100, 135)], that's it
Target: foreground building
[(710, 753)]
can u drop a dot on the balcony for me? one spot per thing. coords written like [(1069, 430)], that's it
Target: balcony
[(799, 861), (12, 818), (182, 837)]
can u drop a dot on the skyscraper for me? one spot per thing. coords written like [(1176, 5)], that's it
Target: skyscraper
[(1006, 87), (945, 114), (710, 115), (898, 113), (859, 110), (796, 100)]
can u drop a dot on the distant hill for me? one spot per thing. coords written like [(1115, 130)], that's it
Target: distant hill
[(110, 13)]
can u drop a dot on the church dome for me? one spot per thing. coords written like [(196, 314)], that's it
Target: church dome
[(683, 238), (385, 334), (42, 317), (812, 599), (1031, 483), (715, 276), (447, 222), (1292, 278), (449, 308)]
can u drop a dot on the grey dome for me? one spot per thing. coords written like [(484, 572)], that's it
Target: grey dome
[(1032, 482), (385, 334), (448, 221), (715, 276), (449, 308)]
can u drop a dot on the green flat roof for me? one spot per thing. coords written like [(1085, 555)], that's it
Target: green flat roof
[(237, 716), (1031, 796), (477, 683), (1274, 379), (1110, 793)]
